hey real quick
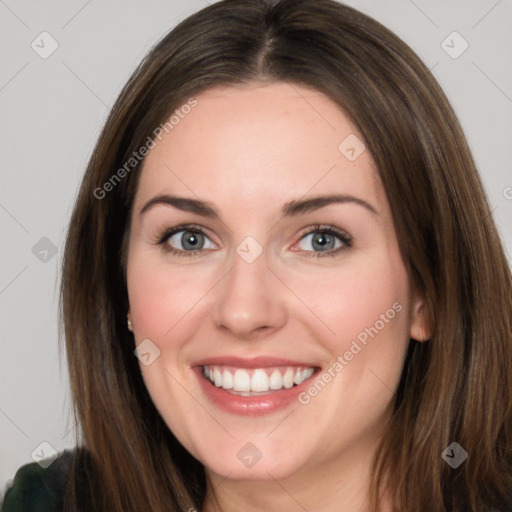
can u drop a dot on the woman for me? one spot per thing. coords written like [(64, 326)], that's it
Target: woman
[(282, 284)]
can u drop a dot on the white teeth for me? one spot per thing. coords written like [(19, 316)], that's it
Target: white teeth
[(258, 380), (276, 380), (241, 381), (306, 373), (288, 378), (227, 379), (217, 377)]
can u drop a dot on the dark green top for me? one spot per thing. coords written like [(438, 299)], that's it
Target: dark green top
[(35, 489)]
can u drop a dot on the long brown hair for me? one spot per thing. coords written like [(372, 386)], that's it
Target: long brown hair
[(456, 387)]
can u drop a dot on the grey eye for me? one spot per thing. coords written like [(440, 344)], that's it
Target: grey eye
[(190, 240), (321, 241)]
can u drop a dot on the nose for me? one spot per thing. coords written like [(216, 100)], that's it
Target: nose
[(249, 300)]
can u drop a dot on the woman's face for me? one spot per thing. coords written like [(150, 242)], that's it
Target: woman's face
[(259, 297)]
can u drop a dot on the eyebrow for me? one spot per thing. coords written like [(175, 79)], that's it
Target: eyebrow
[(290, 209)]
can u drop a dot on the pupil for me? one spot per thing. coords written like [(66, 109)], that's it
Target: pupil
[(323, 240), (190, 240)]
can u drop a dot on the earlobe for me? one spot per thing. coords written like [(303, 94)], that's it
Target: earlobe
[(420, 329)]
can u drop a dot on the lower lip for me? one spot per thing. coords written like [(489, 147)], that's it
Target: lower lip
[(250, 405)]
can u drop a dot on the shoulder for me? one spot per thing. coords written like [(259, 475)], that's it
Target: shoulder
[(36, 488)]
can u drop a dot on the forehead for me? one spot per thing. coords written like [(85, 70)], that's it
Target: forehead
[(259, 145)]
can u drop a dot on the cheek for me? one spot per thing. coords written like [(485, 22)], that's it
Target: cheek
[(366, 308), (362, 301), (160, 300), (160, 296)]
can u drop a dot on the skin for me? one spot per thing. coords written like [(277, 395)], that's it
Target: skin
[(248, 151)]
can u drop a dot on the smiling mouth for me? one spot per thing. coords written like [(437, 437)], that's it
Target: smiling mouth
[(256, 381)]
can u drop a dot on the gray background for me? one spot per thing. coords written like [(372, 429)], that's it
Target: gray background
[(52, 110)]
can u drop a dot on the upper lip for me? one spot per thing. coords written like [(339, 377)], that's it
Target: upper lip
[(253, 362)]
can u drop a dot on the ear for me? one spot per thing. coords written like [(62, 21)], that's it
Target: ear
[(420, 328)]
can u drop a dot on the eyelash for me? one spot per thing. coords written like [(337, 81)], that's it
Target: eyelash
[(344, 237)]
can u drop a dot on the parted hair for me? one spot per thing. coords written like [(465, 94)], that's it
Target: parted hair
[(455, 387)]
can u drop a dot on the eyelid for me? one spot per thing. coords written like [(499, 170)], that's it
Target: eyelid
[(345, 238), (164, 234)]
